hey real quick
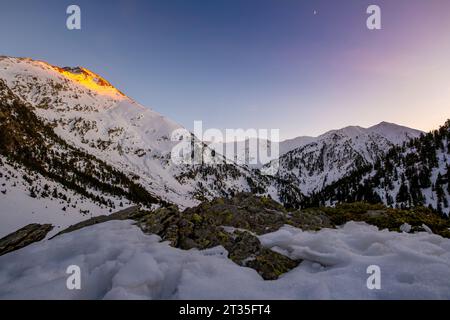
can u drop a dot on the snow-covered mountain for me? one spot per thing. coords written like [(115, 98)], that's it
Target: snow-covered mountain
[(248, 151), (414, 174), (318, 162), (96, 126), (43, 179), (92, 116)]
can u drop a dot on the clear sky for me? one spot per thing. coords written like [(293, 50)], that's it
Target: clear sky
[(304, 67)]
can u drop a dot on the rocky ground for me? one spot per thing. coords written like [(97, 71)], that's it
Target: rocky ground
[(23, 237), (235, 224)]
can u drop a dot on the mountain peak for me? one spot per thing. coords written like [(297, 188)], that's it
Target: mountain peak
[(349, 131), (385, 124), (89, 80), (14, 68), (394, 132)]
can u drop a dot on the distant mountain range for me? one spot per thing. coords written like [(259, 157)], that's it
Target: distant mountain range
[(312, 166), (72, 145), (417, 173), (314, 162)]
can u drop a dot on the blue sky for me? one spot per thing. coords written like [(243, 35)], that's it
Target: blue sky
[(253, 63)]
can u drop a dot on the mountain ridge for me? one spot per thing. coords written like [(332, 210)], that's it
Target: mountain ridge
[(337, 152), (133, 141), (128, 137)]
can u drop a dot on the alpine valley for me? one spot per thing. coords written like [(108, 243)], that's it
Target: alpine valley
[(73, 146), (87, 178)]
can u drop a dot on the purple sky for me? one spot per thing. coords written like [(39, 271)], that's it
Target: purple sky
[(253, 63)]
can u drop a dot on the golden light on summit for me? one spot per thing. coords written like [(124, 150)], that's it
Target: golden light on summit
[(90, 80)]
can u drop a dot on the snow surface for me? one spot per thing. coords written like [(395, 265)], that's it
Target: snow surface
[(18, 208), (118, 261)]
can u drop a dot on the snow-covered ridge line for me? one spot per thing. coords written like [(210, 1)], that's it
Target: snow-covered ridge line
[(89, 80), (331, 156), (411, 175)]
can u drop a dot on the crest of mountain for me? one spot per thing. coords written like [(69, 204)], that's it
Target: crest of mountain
[(416, 173), (44, 179), (321, 161), (93, 118)]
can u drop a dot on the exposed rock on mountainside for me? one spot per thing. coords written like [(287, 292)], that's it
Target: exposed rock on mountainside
[(24, 237), (386, 218)]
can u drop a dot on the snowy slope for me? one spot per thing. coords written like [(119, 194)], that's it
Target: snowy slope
[(91, 114), (336, 153), (256, 152), (18, 208), (45, 180), (240, 150), (429, 196), (295, 143), (108, 125), (95, 118), (416, 173), (117, 261)]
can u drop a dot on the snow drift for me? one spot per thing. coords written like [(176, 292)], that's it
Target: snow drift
[(118, 261)]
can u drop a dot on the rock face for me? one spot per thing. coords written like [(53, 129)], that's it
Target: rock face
[(234, 224), (128, 213), (23, 237), (246, 250)]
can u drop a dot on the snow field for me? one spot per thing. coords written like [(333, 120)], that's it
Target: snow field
[(118, 261)]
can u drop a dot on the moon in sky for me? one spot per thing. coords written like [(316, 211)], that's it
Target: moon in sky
[(315, 12)]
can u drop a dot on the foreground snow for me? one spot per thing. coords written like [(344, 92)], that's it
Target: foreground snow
[(118, 261)]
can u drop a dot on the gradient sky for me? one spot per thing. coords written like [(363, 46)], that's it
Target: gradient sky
[(253, 63)]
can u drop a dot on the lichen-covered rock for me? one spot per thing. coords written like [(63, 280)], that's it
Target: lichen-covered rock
[(388, 218), (246, 250), (309, 220), (247, 211), (202, 227), (23, 237)]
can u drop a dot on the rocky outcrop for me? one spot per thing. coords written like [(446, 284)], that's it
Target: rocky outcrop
[(128, 213), (246, 250), (233, 223), (36, 232), (23, 237)]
